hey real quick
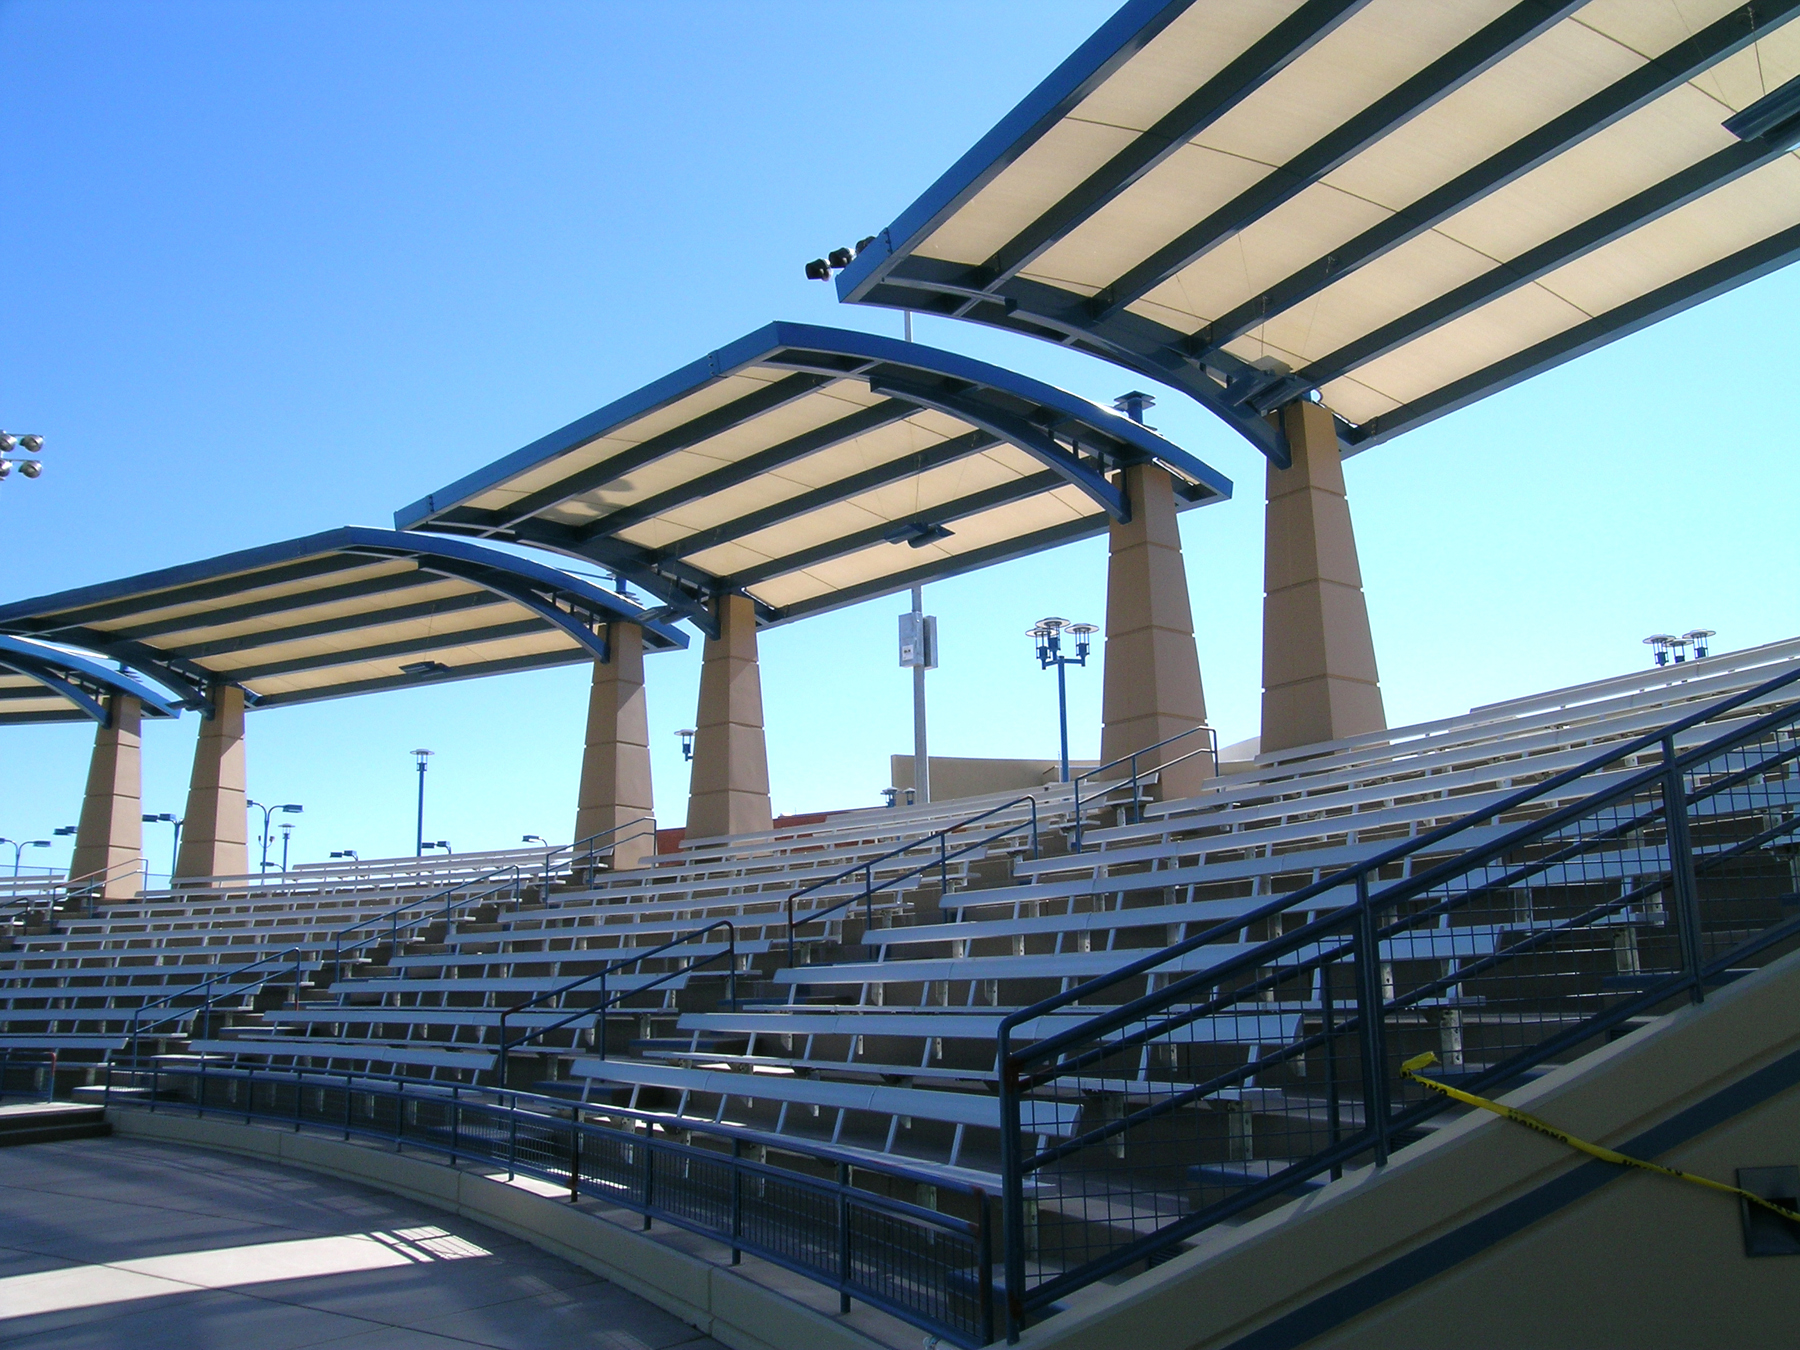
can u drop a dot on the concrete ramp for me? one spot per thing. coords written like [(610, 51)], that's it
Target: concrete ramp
[(1490, 1235)]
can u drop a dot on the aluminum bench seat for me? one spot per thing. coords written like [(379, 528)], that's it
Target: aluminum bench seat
[(350, 1051)]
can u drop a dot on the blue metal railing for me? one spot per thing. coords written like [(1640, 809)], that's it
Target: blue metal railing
[(1210, 746), (946, 855), (270, 967), (422, 909), (1533, 940), (607, 1000), (931, 1269)]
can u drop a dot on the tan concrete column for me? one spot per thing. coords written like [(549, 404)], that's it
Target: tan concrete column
[(1319, 677), (615, 766), (1152, 678), (216, 827), (728, 792), (109, 839)]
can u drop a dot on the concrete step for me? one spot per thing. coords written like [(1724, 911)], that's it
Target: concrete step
[(46, 1122)]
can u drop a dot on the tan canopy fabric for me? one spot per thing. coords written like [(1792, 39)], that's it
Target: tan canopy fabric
[(811, 467), (1402, 204)]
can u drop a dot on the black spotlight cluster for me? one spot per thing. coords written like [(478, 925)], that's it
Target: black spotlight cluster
[(820, 269)]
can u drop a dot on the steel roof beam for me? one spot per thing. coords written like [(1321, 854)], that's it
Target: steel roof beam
[(1469, 58), (56, 684), (946, 452), (1643, 86), (536, 661), (279, 604), (1266, 58), (382, 651), (1768, 255), (1614, 223), (373, 618), (859, 423), (1032, 439), (198, 593), (683, 437), (1002, 494)]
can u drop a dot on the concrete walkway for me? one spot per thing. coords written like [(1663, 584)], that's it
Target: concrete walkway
[(123, 1244)]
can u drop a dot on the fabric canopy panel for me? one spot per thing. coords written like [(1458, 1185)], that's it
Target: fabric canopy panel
[(349, 611), (41, 682), (812, 467), (1403, 204)]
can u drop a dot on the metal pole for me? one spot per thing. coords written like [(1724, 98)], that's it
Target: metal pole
[(421, 831), (1062, 712), (921, 755), (1370, 1013), (175, 853), (1681, 869)]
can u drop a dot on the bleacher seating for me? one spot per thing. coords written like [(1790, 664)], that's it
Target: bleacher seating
[(879, 1036)]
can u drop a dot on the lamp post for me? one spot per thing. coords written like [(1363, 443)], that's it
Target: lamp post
[(291, 808), (349, 853), (423, 756), (287, 832), (687, 735), (19, 846), (435, 843), (174, 848), (1048, 634)]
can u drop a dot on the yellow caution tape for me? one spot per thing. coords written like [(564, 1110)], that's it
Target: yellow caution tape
[(1410, 1069)]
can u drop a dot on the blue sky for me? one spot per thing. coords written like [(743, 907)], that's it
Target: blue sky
[(270, 268)]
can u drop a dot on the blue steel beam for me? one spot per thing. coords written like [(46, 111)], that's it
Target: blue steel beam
[(60, 670)]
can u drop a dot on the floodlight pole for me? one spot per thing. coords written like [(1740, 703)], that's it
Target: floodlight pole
[(921, 753)]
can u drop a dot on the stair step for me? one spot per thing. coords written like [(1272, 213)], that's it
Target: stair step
[(48, 1122)]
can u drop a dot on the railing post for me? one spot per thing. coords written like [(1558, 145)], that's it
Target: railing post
[(737, 1200), (399, 1114), (200, 1090), (1031, 801), (1328, 1029), (249, 1094), (605, 1000), (984, 1258), (299, 1099), (649, 1170), (1681, 870), (843, 1223), (512, 1143), (1012, 1186), (575, 1156), (1370, 1015), (868, 905), (155, 1084), (349, 1107)]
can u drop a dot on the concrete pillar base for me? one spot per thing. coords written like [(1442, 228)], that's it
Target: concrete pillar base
[(215, 830), (728, 792), (1319, 676), (615, 765), (109, 839), (1152, 678)]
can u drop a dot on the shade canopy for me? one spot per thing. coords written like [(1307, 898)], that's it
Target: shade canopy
[(1403, 204), (811, 467), (41, 682), (349, 611)]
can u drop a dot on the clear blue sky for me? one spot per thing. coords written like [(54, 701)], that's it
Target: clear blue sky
[(270, 269)]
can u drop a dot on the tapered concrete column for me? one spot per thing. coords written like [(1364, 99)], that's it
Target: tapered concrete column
[(615, 766), (728, 792), (109, 840), (216, 827), (1319, 677), (1153, 686)]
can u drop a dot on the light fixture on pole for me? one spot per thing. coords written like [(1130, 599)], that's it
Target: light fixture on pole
[(62, 830), (687, 743), (1660, 644), (919, 653), (1048, 634), (291, 808), (423, 757), (435, 843), (1699, 636), (31, 445), (19, 846), (349, 853), (287, 833), (535, 839), (169, 817)]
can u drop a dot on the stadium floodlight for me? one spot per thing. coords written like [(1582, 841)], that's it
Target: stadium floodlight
[(687, 735), (31, 444), (1048, 634), (31, 468), (818, 270), (1699, 636), (64, 830), (840, 257), (28, 468)]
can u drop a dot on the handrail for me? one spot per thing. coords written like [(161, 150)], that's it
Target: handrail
[(449, 908), (188, 991), (1353, 932), (867, 868), (1370, 867), (571, 848), (598, 1011), (1212, 744), (90, 882)]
